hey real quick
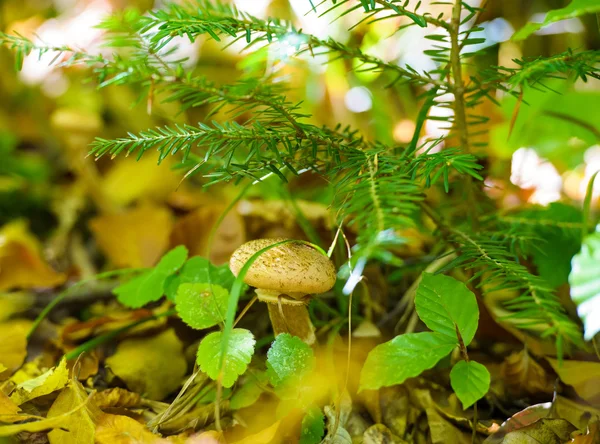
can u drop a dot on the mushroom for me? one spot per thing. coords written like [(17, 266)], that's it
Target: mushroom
[(285, 278)]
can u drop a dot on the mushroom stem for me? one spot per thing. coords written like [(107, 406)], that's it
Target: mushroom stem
[(292, 319)]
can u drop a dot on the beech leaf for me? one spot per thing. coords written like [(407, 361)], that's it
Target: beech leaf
[(470, 381)]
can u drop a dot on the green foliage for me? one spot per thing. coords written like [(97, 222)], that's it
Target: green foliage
[(574, 9), (447, 306), (201, 305), (313, 426), (288, 361), (239, 351), (405, 356), (470, 381), (150, 285), (585, 284)]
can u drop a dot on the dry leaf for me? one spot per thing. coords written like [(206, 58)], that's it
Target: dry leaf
[(378, 433), (21, 263), (591, 436), (130, 179), (48, 382), (134, 238), (14, 303), (442, 432), (582, 375), (9, 411), (263, 437), (522, 376), (153, 367), (117, 429), (13, 346), (193, 231), (577, 413), (117, 397), (547, 431), (80, 426), (86, 364)]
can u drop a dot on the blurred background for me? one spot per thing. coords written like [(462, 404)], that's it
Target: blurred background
[(127, 213)]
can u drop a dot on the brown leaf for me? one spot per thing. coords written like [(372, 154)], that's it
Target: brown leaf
[(523, 376), (592, 435), (547, 431), (582, 375), (134, 238), (118, 429), (193, 231), (13, 346), (21, 262), (152, 366), (117, 397), (378, 433), (442, 431)]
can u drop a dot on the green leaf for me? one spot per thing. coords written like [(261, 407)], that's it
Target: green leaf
[(240, 348), (201, 305), (313, 426), (405, 356), (574, 9), (470, 381), (250, 391), (150, 285), (585, 284), (195, 270), (288, 360), (445, 305)]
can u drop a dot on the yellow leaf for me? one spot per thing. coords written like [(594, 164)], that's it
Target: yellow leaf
[(21, 263), (130, 179), (134, 238), (80, 426), (584, 376), (9, 411), (117, 397), (117, 429), (48, 382), (13, 346), (193, 231), (14, 303), (41, 425), (153, 367), (263, 437)]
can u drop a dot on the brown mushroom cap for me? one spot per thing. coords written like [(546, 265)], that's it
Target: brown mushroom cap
[(291, 268)]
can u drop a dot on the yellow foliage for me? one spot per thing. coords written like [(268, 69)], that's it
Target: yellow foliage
[(134, 238), (13, 346), (54, 379), (118, 429), (21, 263), (153, 366)]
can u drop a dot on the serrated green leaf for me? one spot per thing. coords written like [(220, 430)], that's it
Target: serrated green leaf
[(313, 426), (195, 270), (585, 284), (288, 360), (574, 9), (201, 305), (150, 285), (470, 381), (240, 349), (405, 356), (445, 305)]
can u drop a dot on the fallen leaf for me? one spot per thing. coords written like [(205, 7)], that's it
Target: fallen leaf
[(582, 375), (379, 433), (86, 365), (118, 429), (522, 375), (193, 231), (54, 379), (41, 425), (117, 397), (442, 432), (263, 437), (577, 413), (130, 179), (9, 411), (21, 262), (547, 431), (153, 367), (15, 303), (13, 346), (80, 426), (134, 238), (591, 436)]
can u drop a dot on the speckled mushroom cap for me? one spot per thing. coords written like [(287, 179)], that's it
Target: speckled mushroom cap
[(291, 268)]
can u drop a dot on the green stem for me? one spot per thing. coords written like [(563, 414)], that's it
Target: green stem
[(62, 295), (93, 343)]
